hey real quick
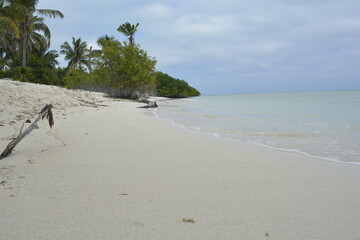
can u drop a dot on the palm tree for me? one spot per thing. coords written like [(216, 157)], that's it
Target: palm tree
[(50, 57), (9, 32), (7, 24), (104, 40), (30, 25), (8, 50), (77, 54), (128, 30)]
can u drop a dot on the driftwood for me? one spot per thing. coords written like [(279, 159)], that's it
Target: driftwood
[(188, 220), (91, 104), (150, 105), (44, 113)]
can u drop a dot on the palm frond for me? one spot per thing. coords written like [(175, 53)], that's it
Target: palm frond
[(41, 26), (50, 13), (128, 30), (76, 53), (37, 42)]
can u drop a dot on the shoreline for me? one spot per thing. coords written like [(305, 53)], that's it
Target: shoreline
[(328, 134), (216, 135), (120, 173)]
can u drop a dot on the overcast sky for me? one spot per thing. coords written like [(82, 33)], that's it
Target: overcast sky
[(230, 46)]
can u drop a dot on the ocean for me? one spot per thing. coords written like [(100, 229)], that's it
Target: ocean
[(324, 125)]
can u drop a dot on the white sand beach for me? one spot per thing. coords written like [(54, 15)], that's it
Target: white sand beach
[(117, 172)]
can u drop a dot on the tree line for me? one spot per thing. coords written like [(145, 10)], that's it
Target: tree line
[(122, 69)]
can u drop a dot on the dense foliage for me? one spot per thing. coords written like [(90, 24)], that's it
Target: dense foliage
[(41, 69), (168, 86), (121, 69), (22, 29), (76, 78)]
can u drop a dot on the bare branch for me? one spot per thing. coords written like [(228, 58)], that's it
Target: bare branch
[(45, 112)]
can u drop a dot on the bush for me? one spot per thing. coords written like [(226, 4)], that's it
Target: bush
[(44, 71), (76, 78), (24, 74), (38, 71), (168, 86), (123, 70)]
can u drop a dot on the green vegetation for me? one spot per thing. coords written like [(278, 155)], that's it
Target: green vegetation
[(41, 69), (168, 86), (122, 69), (21, 28), (128, 30), (76, 78), (75, 54)]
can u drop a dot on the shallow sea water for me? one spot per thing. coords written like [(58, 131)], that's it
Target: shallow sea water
[(325, 125)]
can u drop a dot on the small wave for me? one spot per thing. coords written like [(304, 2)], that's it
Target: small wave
[(298, 132), (277, 134), (334, 160), (218, 135), (304, 153), (155, 113)]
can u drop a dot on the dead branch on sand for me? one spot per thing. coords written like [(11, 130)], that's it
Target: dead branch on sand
[(91, 104), (150, 105), (44, 113)]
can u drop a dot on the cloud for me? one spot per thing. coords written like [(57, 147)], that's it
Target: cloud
[(195, 25), (156, 10), (271, 44)]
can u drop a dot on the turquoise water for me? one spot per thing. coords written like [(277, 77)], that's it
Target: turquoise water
[(325, 125)]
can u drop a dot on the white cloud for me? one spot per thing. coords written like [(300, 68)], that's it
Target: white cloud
[(259, 39), (156, 10), (262, 48), (204, 25)]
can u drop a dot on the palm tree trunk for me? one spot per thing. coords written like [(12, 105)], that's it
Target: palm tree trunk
[(90, 53), (24, 42), (24, 48)]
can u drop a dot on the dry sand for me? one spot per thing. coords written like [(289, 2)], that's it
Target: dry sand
[(119, 173)]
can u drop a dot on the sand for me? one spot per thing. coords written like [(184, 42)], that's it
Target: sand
[(118, 172)]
